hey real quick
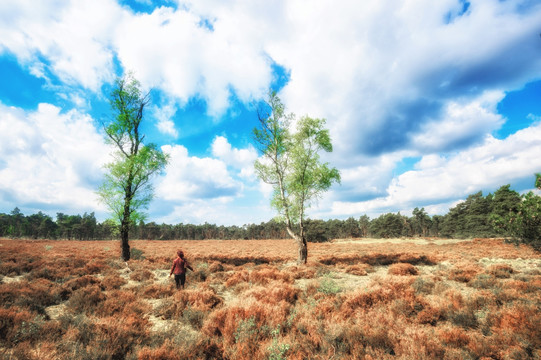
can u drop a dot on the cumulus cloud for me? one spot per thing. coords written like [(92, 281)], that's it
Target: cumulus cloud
[(241, 159), (190, 177), (50, 158), (164, 115), (69, 39), (438, 180), (379, 86)]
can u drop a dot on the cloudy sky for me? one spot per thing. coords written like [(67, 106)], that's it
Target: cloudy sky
[(427, 101)]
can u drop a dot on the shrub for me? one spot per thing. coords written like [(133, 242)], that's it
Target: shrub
[(501, 271), (95, 266), (463, 273), (158, 291), (136, 254), (402, 269), (328, 286), (85, 300), (10, 324), (166, 351), (81, 282), (141, 275), (423, 285), (116, 337), (216, 266), (465, 319), (274, 293), (358, 269), (484, 281), (35, 295), (111, 282)]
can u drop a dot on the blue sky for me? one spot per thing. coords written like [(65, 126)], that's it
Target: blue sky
[(427, 102)]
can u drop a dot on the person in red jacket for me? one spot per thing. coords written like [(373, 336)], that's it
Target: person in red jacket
[(179, 269)]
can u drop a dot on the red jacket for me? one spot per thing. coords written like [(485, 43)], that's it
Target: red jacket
[(179, 266)]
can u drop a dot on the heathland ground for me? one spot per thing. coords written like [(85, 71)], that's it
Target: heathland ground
[(416, 298)]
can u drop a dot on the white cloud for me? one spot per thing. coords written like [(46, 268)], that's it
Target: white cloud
[(164, 115), (460, 123), (242, 159), (50, 159), (190, 178), (71, 37), (437, 179), (171, 50)]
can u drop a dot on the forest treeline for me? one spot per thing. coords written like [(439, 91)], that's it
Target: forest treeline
[(477, 216)]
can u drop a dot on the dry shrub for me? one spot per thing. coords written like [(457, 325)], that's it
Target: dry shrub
[(423, 285), (141, 275), (49, 272), (35, 295), (158, 291), (10, 324), (501, 271), (216, 266), (301, 272), (95, 266), (113, 281), (203, 299), (166, 351), (430, 315), (453, 336), (237, 277), (81, 282), (242, 329), (85, 300), (380, 294), (379, 259), (518, 325), (264, 275), (115, 337), (275, 292), (464, 272), (240, 260), (402, 269), (484, 281), (358, 269)]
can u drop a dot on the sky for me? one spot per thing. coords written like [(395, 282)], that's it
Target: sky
[(426, 101)]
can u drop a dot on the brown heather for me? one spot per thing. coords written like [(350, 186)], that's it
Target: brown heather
[(355, 299)]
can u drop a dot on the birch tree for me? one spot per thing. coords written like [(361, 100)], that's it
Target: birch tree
[(291, 163)]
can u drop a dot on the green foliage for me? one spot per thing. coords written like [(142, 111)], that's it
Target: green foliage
[(277, 351), (127, 188), (389, 226), (291, 164), (524, 224), (328, 286)]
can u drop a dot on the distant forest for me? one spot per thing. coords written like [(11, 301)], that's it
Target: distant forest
[(477, 216)]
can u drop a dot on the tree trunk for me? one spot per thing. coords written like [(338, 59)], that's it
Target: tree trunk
[(303, 250), (125, 244), (125, 229)]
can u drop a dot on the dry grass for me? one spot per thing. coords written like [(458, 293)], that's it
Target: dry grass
[(355, 299)]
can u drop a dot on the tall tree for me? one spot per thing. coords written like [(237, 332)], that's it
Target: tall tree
[(291, 164), (127, 188)]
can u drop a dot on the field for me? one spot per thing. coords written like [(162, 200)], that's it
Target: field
[(355, 299)]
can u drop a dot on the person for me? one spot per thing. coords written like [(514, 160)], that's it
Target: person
[(179, 269)]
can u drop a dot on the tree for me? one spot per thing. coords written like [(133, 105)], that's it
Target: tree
[(291, 164), (421, 222), (522, 221), (127, 187)]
